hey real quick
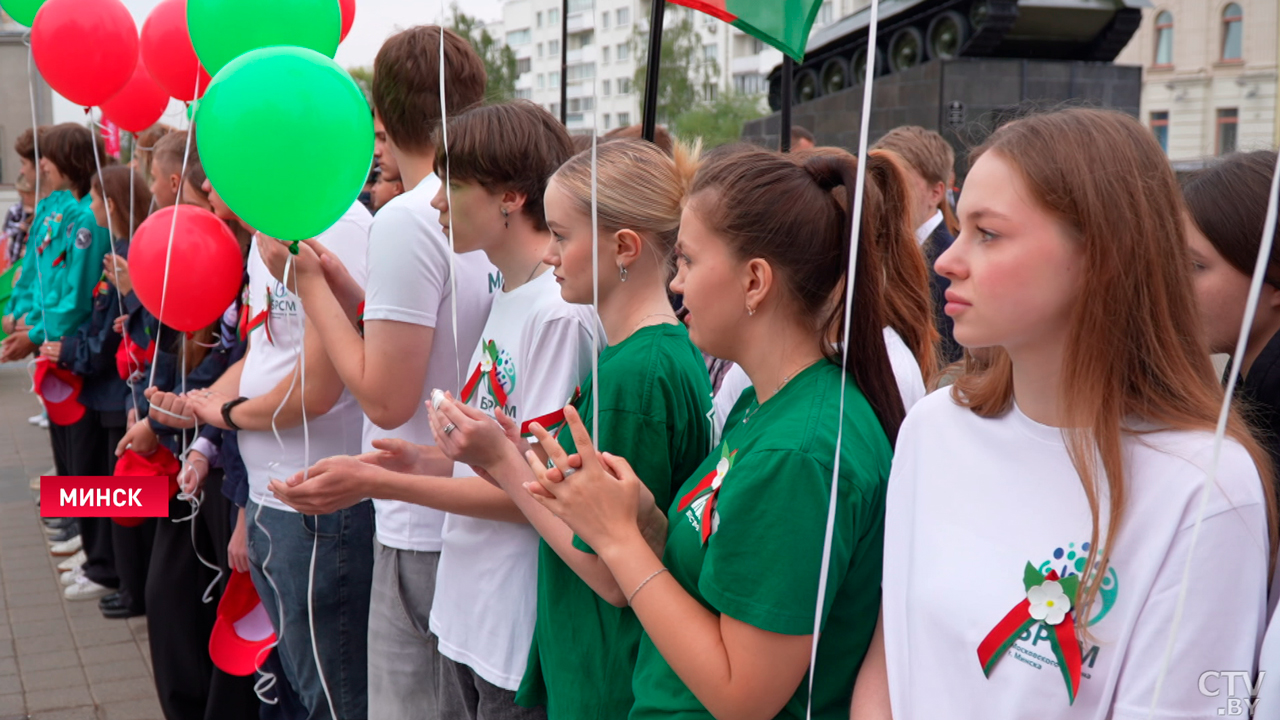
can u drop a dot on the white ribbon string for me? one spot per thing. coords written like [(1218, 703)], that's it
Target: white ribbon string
[(1220, 432), (448, 199), (595, 276), (855, 237)]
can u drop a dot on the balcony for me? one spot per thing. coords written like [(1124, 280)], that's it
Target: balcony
[(581, 89), (582, 55), (582, 21)]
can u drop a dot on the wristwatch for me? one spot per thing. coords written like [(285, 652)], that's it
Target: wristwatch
[(226, 412)]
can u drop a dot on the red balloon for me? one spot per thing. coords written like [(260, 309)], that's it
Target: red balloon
[(167, 51), (205, 268), (139, 105), (348, 17), (85, 49)]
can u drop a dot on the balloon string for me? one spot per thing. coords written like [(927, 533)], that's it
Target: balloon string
[(35, 143), (448, 196), (855, 238)]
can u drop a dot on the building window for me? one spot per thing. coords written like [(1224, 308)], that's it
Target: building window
[(542, 81), (757, 46), (577, 41), (1232, 32), (709, 52), (749, 83), (581, 71), (554, 79), (524, 65), (624, 18), (519, 37), (1228, 125), (581, 5), (624, 52), (624, 87), (553, 48), (709, 92), (604, 54), (606, 121), (540, 49), (553, 17), (1160, 128), (524, 93), (824, 15), (578, 105), (539, 19), (604, 88), (624, 119), (554, 109), (604, 20), (1164, 38)]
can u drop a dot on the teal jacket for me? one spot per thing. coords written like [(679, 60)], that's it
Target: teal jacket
[(69, 264), (45, 224)]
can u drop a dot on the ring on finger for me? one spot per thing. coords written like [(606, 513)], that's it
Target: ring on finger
[(450, 428)]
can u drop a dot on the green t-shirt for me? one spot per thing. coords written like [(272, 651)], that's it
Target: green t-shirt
[(45, 225), (70, 266), (761, 562), (654, 404)]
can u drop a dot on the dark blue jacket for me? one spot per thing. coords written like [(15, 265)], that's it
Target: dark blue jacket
[(937, 244), (90, 351)]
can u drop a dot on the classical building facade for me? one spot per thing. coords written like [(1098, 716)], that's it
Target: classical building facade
[(1209, 76)]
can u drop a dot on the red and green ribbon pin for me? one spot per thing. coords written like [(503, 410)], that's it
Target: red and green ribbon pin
[(261, 320), (487, 367), (1048, 601), (710, 483), (552, 422)]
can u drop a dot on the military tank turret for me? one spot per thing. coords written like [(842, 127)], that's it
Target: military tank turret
[(912, 32)]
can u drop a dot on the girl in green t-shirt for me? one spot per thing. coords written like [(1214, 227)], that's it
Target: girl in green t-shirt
[(652, 396), (728, 605)]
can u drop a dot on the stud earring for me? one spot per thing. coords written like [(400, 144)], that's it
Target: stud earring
[(751, 310), (622, 272), (505, 222)]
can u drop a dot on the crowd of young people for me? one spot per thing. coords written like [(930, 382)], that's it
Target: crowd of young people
[(483, 457)]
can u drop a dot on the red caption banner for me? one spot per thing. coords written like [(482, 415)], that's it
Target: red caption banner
[(109, 496)]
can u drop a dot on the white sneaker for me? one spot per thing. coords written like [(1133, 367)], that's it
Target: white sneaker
[(35, 419), (85, 589), (69, 547), (35, 483), (44, 423), (73, 562), (70, 578)]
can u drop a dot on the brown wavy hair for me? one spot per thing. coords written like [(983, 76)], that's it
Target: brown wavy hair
[(116, 180), (1135, 347)]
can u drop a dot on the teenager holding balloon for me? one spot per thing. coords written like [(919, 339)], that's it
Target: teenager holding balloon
[(1047, 504), (654, 399)]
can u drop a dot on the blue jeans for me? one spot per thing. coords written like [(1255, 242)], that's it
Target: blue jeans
[(280, 545)]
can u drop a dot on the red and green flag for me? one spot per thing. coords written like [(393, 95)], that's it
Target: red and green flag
[(784, 24)]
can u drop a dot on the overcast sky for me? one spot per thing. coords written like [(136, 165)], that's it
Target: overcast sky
[(375, 21)]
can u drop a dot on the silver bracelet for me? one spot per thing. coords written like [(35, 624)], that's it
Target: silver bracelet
[(644, 582)]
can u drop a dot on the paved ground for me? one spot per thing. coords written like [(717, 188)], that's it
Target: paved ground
[(58, 660)]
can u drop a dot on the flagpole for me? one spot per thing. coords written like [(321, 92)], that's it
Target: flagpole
[(651, 72), (564, 63), (788, 69)]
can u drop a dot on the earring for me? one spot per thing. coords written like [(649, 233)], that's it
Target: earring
[(751, 310), (622, 272), (505, 222)]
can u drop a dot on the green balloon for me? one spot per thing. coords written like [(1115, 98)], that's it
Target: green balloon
[(286, 138), (223, 30), (23, 12)]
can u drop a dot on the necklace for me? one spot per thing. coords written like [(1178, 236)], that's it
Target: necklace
[(532, 272), (650, 315), (755, 403)]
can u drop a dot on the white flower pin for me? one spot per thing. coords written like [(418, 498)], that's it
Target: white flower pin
[(1049, 603)]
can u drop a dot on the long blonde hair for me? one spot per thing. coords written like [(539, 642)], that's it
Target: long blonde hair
[(1135, 347)]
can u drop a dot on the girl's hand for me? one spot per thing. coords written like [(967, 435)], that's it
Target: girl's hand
[(465, 434), (51, 350), (170, 409), (402, 456), (238, 548), (140, 439), (206, 406), (194, 472), (117, 269), (275, 255), (600, 507), (330, 485)]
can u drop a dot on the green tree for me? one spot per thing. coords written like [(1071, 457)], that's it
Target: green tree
[(499, 60), (718, 121), (682, 71), (364, 80)]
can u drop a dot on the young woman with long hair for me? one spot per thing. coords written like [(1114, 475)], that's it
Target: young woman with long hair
[(653, 401), (1041, 512), (728, 630)]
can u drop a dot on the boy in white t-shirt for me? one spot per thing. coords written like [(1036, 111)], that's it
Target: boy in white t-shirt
[(409, 334), (533, 352)]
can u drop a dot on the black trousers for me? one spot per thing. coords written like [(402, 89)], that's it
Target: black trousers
[(131, 545), (86, 452), (179, 623)]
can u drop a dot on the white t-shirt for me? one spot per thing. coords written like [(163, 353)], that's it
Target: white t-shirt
[(906, 371), (409, 282), (486, 584), (275, 348), (972, 501)]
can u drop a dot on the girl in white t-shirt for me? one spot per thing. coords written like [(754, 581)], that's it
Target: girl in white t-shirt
[(1042, 512)]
